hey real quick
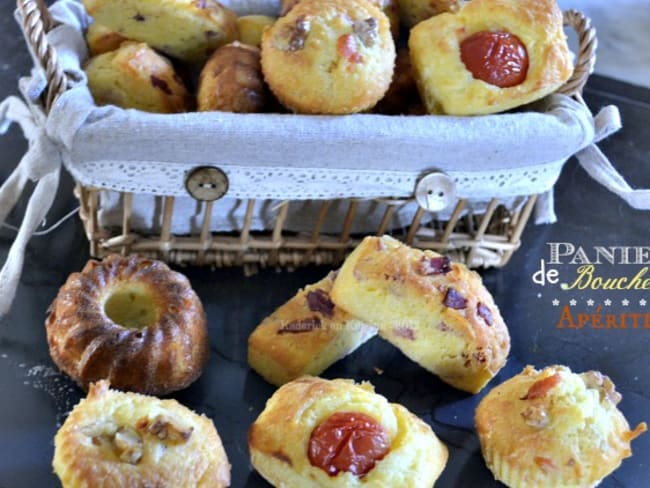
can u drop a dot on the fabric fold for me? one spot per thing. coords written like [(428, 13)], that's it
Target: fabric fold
[(596, 164), (42, 164)]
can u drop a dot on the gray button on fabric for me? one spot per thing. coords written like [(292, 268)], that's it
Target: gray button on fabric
[(206, 183), (435, 191)]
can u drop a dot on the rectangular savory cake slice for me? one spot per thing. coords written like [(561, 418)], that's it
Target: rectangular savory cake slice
[(305, 336), (436, 312)]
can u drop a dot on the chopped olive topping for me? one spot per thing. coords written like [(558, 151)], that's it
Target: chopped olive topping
[(455, 300), (320, 301), (434, 266)]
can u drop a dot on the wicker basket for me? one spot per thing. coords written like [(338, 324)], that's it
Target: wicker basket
[(479, 239)]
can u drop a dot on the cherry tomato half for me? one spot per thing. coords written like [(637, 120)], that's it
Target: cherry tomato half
[(348, 441), (498, 58)]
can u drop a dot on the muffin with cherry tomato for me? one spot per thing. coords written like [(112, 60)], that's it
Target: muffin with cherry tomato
[(329, 57), (554, 428), (491, 56), (335, 433)]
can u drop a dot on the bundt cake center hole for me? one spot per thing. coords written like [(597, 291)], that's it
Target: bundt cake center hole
[(132, 306)]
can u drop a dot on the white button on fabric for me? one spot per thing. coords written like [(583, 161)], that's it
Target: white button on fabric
[(435, 191), (206, 183)]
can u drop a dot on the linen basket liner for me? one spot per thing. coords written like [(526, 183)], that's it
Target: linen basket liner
[(282, 156)]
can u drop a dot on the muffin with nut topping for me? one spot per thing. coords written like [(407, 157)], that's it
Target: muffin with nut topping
[(329, 57), (116, 439), (554, 428), (389, 7)]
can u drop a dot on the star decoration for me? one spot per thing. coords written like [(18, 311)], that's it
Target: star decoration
[(643, 302), (556, 302), (625, 302), (572, 302), (590, 302), (607, 302)]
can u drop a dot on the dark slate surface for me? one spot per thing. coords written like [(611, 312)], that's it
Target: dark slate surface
[(34, 397)]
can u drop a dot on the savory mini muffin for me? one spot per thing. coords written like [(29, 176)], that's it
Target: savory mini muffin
[(188, 30), (232, 81), (136, 76), (250, 28), (491, 56), (329, 57), (305, 336), (101, 39), (554, 428), (413, 12), (438, 313), (317, 433), (130, 320), (116, 440), (389, 7)]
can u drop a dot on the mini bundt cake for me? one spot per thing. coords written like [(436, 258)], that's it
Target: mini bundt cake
[(132, 321), (554, 428), (113, 439), (438, 313)]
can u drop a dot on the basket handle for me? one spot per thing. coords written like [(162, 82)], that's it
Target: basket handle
[(36, 22), (586, 52)]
